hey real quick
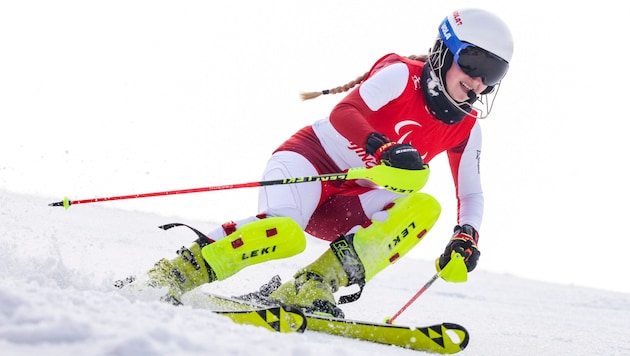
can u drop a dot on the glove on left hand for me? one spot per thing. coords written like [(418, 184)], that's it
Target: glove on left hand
[(464, 242)]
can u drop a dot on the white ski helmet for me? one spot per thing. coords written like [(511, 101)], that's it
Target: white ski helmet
[(480, 42)]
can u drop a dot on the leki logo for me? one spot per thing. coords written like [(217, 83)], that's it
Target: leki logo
[(314, 178), (401, 236), (255, 253)]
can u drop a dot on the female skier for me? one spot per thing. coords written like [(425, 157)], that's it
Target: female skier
[(401, 114)]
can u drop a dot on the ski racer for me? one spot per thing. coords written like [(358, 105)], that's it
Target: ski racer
[(400, 115)]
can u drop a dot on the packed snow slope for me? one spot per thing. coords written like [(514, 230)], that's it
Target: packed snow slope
[(57, 298)]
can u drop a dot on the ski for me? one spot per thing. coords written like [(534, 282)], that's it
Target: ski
[(277, 318), (445, 338), (284, 319)]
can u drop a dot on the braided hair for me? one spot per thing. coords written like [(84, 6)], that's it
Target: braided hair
[(352, 83)]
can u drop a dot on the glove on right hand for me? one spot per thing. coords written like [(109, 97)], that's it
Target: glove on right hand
[(397, 155)]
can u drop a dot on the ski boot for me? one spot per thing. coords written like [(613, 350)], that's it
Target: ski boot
[(208, 261), (180, 275), (168, 280), (357, 257), (312, 287)]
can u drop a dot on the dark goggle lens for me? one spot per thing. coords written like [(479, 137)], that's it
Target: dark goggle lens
[(477, 62)]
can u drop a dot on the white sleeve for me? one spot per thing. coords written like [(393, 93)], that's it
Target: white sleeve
[(469, 191), (384, 86)]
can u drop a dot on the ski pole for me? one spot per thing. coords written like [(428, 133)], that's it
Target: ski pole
[(395, 179), (413, 299), (454, 271), (66, 203)]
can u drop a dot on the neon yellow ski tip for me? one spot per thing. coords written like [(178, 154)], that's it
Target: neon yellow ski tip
[(455, 270)]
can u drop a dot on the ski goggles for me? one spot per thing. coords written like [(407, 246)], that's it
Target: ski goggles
[(474, 61)]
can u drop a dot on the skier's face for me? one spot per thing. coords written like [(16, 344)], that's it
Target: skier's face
[(458, 84)]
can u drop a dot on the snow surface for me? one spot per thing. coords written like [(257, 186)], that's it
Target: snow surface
[(57, 298)]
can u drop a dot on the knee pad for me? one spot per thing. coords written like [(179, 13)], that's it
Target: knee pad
[(380, 244), (259, 241)]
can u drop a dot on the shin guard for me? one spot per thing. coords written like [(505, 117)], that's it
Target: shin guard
[(259, 241), (380, 244)]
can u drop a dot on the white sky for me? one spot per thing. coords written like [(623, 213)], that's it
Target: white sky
[(104, 98)]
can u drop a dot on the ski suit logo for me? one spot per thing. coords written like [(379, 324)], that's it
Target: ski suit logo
[(403, 137)]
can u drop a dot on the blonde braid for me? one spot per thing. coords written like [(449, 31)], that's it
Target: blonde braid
[(337, 90), (353, 83)]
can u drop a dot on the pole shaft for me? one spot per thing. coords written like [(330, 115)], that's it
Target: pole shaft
[(413, 299), (323, 177)]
